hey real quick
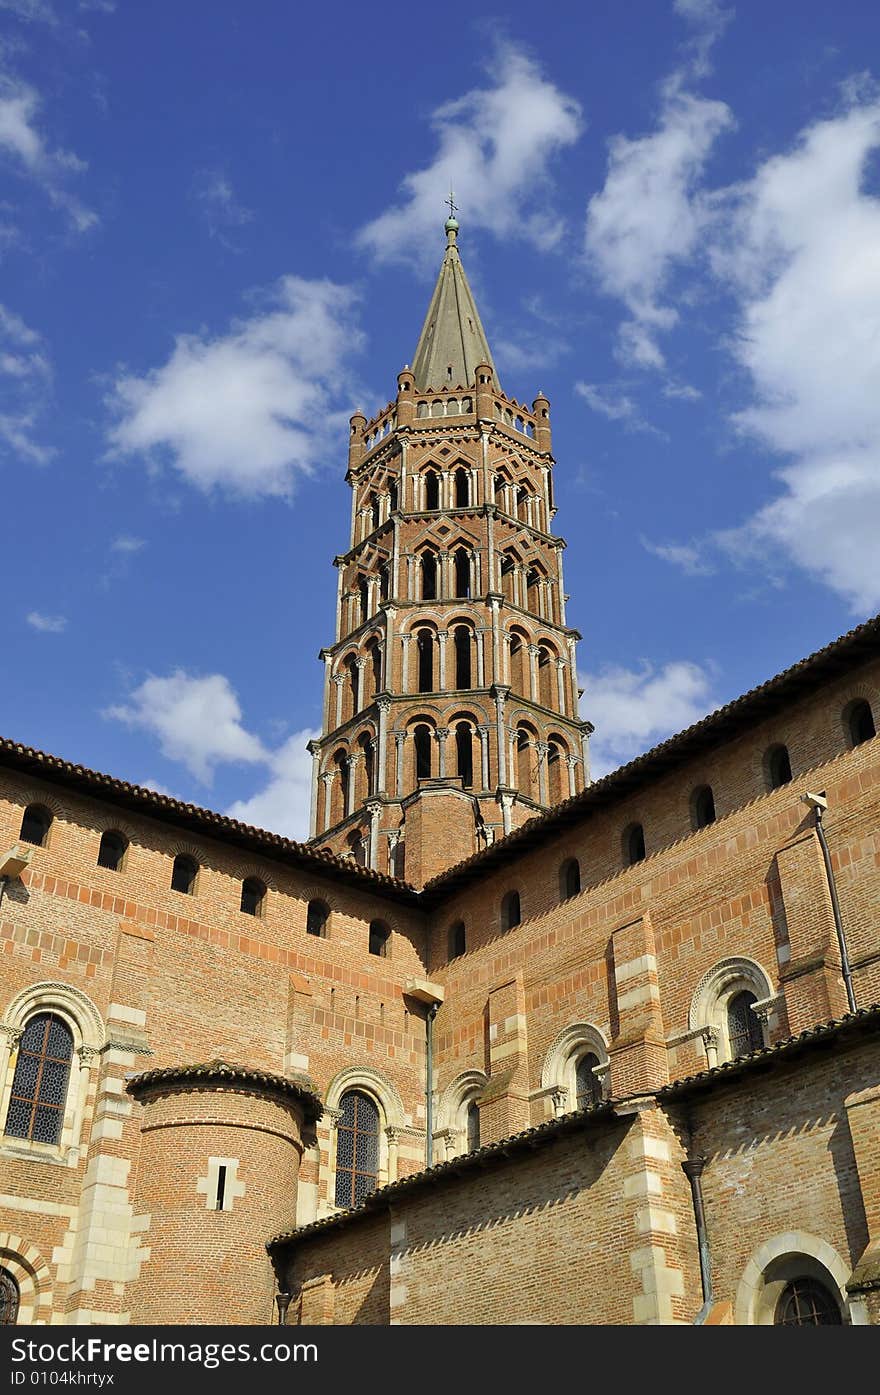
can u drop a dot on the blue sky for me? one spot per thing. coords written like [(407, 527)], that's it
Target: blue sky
[(219, 228)]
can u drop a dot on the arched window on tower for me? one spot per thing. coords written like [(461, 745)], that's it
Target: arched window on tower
[(523, 762), (462, 656), (588, 1087), (9, 1299), (380, 936), (473, 1126), (533, 592), (462, 489), (353, 703), (464, 754), (425, 646), (457, 940), (392, 496), (463, 574), (253, 896), (317, 916), (376, 666), (374, 511), (519, 667), (569, 878), (634, 844), (429, 576), (357, 1149), (556, 783), (384, 582), (364, 593), (35, 824), (432, 490), (343, 775), (804, 1302), (522, 505), (111, 853), (422, 744), (365, 744), (546, 677), (510, 911), (184, 874), (39, 1085), (507, 580)]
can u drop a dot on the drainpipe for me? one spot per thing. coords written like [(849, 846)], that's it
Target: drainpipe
[(429, 1094), (693, 1171), (818, 802)]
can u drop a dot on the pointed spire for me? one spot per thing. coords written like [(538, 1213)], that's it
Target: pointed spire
[(452, 341)]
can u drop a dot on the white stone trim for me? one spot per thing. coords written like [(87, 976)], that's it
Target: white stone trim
[(558, 1079), (776, 1262)]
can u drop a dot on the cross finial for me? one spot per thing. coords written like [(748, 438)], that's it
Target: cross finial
[(453, 206)]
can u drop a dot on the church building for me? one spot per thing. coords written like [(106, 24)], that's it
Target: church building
[(499, 1043)]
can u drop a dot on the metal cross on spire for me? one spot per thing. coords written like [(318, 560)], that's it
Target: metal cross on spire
[(453, 206)]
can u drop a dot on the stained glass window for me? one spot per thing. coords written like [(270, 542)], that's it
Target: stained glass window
[(39, 1086), (357, 1149)]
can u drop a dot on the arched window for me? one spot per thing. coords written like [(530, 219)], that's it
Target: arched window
[(379, 937), (364, 592), (343, 777), (464, 754), (588, 1088), (432, 490), (510, 911), (569, 878), (473, 1126), (462, 656), (111, 853), (425, 646), (519, 669), (253, 896), (422, 743), (546, 677), (374, 654), (357, 1149), (384, 582), (634, 844), (317, 916), (429, 576), (744, 1033), (523, 762), (507, 579), (365, 745), (374, 511), (804, 1302), (39, 1086), (778, 767), (703, 806), (392, 497), (462, 573), (352, 686), (356, 849), (462, 489), (457, 940), (556, 790), (9, 1297), (35, 824), (860, 722), (184, 874)]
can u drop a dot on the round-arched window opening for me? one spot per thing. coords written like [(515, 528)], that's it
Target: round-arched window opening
[(317, 917), (111, 853), (804, 1302), (744, 1031), (253, 895), (357, 1148), (184, 874), (9, 1299), (703, 806), (473, 1126), (634, 844), (379, 938), (457, 940), (860, 722), (35, 824), (510, 911), (39, 1086), (569, 878), (588, 1089)]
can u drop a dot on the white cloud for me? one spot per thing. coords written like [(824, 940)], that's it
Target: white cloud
[(648, 217), (25, 389), (615, 405), (125, 543), (23, 142), (220, 208), (31, 10), (688, 556), (197, 721), (284, 805), (801, 253), (633, 710), (46, 624), (494, 147), (247, 411), (709, 19)]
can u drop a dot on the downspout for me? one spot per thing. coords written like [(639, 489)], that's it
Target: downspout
[(835, 906), (693, 1171), (429, 1093)]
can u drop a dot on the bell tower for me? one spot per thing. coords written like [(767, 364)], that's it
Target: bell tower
[(450, 693)]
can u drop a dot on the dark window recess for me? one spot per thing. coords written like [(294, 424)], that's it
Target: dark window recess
[(570, 878), (473, 1126), (39, 1086), (112, 851), (462, 489), (457, 940), (183, 874), (778, 767), (422, 742), (462, 657), (464, 754), (221, 1186), (35, 825), (379, 937), (635, 844), (807, 1303), (587, 1088), (462, 574), (704, 807), (252, 895), (429, 576), (316, 918), (426, 661), (743, 1028), (861, 723), (357, 1149), (432, 491), (510, 911)]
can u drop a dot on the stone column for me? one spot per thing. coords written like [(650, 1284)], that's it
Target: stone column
[(410, 577), (499, 672), (572, 668), (560, 685), (339, 680), (542, 749), (500, 694), (327, 656), (441, 735), (446, 588), (375, 809), (384, 705), (399, 739), (354, 761), (481, 662), (360, 664), (572, 763), (483, 733), (534, 651), (315, 752), (441, 647), (405, 641), (506, 805), (327, 782)]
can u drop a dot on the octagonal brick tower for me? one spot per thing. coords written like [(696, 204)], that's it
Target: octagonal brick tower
[(450, 697)]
